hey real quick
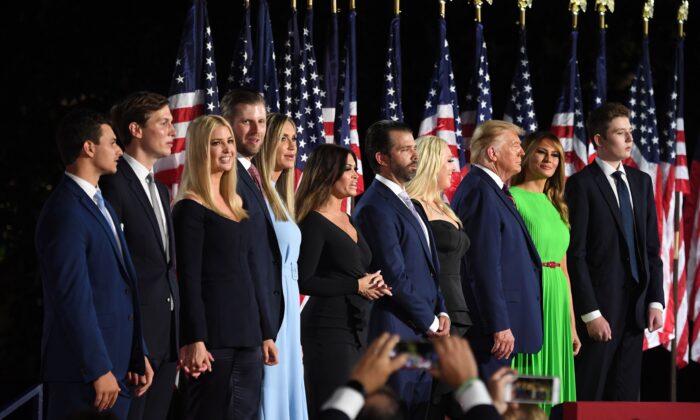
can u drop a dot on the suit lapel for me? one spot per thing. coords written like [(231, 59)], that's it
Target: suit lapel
[(608, 194), (248, 182), (401, 208)]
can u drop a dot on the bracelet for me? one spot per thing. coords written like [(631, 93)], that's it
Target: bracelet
[(468, 383), (356, 385)]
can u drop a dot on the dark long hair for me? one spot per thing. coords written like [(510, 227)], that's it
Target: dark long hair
[(324, 167)]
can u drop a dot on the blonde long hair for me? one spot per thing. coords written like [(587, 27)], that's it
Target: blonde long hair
[(424, 186), (196, 177), (554, 186), (282, 193)]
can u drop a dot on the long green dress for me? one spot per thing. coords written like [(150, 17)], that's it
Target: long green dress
[(551, 238)]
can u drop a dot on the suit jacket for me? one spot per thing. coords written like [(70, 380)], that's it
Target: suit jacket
[(598, 259), (157, 279), (409, 265), (92, 320), (501, 271), (266, 252)]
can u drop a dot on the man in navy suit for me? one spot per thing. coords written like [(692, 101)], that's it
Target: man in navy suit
[(402, 247), (144, 126), (501, 272), (92, 347), (614, 263)]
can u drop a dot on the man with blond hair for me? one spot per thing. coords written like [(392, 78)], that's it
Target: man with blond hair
[(501, 275)]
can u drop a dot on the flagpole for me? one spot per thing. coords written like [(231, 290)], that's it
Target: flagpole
[(352, 5), (294, 5), (442, 8), (309, 4), (602, 6), (682, 17), (397, 7), (576, 6), (477, 7), (523, 4)]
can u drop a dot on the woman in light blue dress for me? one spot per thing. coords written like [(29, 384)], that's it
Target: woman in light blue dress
[(283, 393)]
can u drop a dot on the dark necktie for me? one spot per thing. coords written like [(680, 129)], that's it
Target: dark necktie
[(623, 197), (253, 171), (506, 190), (159, 217)]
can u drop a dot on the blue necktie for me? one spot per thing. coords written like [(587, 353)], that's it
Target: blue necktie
[(623, 196), (103, 209)]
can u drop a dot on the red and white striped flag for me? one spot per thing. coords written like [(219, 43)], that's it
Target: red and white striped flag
[(691, 210)]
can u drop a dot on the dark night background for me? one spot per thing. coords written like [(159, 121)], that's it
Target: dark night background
[(60, 53)]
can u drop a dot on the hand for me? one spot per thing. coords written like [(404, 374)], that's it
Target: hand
[(599, 329), (576, 341), (372, 286), (195, 359), (497, 388), (443, 326), (456, 361), (655, 319), (142, 382), (106, 391), (503, 344), (375, 366), (269, 353)]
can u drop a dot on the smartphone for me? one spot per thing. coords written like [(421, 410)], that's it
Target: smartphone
[(533, 390), (421, 354)]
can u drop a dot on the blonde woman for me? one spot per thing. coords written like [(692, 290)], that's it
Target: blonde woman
[(283, 395), (538, 191), (220, 317), (427, 188)]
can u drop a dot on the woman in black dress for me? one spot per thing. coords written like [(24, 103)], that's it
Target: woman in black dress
[(332, 271), (427, 189), (220, 317)]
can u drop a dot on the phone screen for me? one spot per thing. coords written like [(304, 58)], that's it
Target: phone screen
[(421, 354), (533, 390)]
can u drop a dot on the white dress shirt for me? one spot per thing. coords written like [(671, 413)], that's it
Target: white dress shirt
[(497, 179)]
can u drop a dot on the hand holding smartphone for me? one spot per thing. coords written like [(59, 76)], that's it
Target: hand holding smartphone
[(421, 354)]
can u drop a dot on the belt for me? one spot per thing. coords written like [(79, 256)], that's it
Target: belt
[(551, 264)]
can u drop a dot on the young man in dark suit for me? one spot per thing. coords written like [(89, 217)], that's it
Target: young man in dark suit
[(613, 261), (92, 346), (502, 271), (403, 247), (144, 126)]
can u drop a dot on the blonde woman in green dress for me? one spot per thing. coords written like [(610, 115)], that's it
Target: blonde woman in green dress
[(538, 191)]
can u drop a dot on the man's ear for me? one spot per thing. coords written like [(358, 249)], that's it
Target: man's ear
[(597, 141), (491, 153), (88, 148), (135, 130), (381, 159)]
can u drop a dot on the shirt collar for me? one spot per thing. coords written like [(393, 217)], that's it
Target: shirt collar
[(393, 186), (245, 162), (607, 169), (140, 170), (497, 179), (89, 189)]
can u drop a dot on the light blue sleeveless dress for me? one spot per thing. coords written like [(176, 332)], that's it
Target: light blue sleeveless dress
[(283, 394)]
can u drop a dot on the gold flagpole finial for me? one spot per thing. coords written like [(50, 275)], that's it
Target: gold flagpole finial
[(576, 6), (682, 17), (477, 6), (246, 3), (442, 9), (647, 14), (522, 5), (309, 4), (294, 5), (334, 6), (352, 5), (397, 7), (604, 6)]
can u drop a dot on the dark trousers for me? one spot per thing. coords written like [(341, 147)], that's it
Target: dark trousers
[(155, 403), (231, 390), (611, 371), (65, 400), (328, 361)]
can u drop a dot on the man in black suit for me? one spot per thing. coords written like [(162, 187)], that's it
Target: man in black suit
[(144, 126), (613, 261), (245, 110)]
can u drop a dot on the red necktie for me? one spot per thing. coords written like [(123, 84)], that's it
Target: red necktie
[(253, 171), (506, 190)]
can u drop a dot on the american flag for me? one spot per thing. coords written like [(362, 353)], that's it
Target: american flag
[(193, 89), (391, 107), (241, 68), (308, 116), (568, 123), (477, 104), (600, 86), (289, 100), (520, 108), (330, 78), (692, 243), (264, 69), (346, 113), (441, 114), (675, 179)]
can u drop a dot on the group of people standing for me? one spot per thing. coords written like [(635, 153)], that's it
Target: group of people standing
[(530, 274)]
